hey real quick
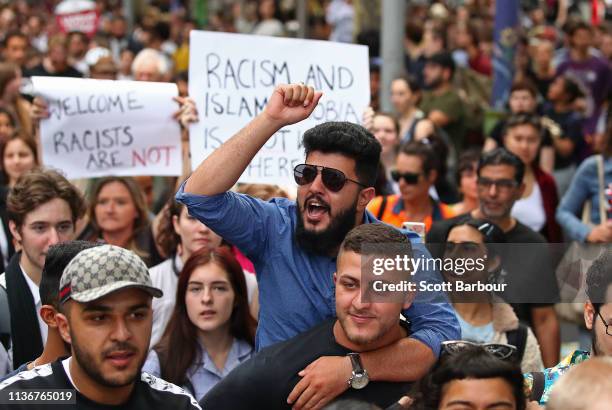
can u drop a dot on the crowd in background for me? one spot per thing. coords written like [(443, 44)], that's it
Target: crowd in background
[(538, 172)]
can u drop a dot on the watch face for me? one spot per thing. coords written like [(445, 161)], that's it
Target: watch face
[(359, 381)]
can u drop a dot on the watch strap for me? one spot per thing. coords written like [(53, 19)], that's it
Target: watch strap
[(356, 362)]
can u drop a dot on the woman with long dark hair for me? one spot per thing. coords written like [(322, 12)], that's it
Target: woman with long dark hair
[(179, 235), (211, 330)]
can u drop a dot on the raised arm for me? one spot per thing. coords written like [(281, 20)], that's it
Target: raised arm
[(222, 168)]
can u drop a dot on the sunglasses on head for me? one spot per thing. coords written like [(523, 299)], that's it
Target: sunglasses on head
[(410, 178), (499, 350), (333, 179)]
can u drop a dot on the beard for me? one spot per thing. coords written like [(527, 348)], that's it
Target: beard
[(87, 362), (434, 83), (364, 340), (326, 241)]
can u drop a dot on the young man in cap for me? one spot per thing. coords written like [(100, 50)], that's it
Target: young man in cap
[(58, 257), (106, 316)]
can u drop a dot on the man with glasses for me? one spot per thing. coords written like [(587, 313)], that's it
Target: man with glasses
[(415, 172), (532, 286), (294, 245), (597, 318)]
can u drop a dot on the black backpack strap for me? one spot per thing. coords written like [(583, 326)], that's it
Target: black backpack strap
[(537, 390), (381, 210), (5, 319), (518, 339)]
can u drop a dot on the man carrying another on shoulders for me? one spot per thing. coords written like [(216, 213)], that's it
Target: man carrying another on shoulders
[(294, 245)]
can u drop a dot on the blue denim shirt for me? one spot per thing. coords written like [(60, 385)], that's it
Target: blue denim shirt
[(296, 289), (584, 186)]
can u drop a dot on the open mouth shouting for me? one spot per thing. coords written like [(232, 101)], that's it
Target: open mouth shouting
[(316, 210)]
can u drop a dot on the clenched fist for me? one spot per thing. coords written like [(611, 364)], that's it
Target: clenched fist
[(291, 103)]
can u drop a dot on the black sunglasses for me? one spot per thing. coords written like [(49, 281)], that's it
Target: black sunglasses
[(411, 178), (500, 350), (332, 178)]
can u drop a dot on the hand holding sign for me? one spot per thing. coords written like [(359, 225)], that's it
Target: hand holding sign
[(92, 128), (291, 103)]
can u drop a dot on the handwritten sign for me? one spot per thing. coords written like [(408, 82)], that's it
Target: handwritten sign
[(102, 127), (231, 77)]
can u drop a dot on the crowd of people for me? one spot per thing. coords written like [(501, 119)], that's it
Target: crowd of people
[(203, 292)]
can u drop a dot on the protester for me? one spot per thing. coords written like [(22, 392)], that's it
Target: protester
[(10, 100), (149, 65), (43, 208), (56, 62), (484, 318), (58, 257), (530, 277), (8, 125), (473, 378), (541, 71), (210, 321), (586, 386), (78, 44), (415, 172), (385, 130), (18, 157), (524, 100), (568, 140), (536, 207), (268, 21), (430, 134), (179, 236), (15, 47), (466, 180), (118, 216), (107, 321), (296, 243), (597, 318), (441, 103), (360, 326), (589, 183), (405, 97), (593, 73)]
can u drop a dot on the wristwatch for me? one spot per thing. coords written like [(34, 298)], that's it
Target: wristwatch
[(359, 378)]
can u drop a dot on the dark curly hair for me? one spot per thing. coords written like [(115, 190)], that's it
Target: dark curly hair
[(599, 279), (348, 139), (472, 363)]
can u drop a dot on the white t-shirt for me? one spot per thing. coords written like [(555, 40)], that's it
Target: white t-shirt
[(530, 211)]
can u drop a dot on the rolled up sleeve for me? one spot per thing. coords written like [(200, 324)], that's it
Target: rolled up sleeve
[(242, 220)]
